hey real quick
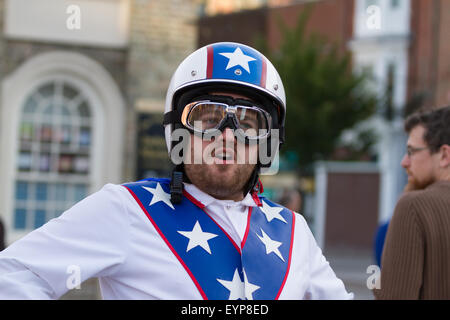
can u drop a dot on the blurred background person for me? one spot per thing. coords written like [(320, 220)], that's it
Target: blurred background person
[(292, 199), (416, 256), (380, 237)]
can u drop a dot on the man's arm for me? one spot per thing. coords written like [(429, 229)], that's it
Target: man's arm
[(403, 253), (90, 239)]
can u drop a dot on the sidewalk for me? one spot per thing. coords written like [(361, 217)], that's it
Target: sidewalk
[(350, 265), (89, 290)]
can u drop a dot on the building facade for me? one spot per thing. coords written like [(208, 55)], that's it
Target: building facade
[(76, 77), (83, 83), (405, 44), (402, 43), (381, 43)]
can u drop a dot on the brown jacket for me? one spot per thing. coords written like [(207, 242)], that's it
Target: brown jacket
[(2, 236), (416, 254)]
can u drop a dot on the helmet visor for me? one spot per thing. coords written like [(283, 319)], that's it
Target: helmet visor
[(206, 116)]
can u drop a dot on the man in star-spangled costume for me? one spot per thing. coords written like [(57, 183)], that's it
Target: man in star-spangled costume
[(202, 234)]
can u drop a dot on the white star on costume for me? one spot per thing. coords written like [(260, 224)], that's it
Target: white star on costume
[(249, 288), (237, 58), (198, 238), (271, 245), (235, 286), (159, 195), (272, 212)]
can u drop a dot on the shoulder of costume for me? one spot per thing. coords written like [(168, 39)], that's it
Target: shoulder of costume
[(271, 203), (148, 182)]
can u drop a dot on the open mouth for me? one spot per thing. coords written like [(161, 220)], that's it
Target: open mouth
[(226, 155)]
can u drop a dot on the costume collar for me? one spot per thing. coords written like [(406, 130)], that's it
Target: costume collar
[(206, 199)]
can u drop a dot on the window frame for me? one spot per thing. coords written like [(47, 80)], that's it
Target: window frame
[(35, 176), (108, 112)]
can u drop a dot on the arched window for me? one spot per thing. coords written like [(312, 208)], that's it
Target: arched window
[(54, 153), (62, 125)]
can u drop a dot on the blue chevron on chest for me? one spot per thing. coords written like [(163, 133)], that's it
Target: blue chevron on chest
[(266, 253), (217, 266)]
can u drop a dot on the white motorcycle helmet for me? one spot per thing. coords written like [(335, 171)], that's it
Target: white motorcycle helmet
[(221, 67)]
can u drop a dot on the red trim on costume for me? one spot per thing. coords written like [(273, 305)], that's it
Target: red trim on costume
[(202, 293), (193, 200), (244, 240), (256, 199), (290, 256)]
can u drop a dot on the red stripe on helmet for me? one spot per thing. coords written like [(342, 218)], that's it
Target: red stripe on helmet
[(263, 73), (210, 62)]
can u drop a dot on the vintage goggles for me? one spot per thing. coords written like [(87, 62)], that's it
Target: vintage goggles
[(249, 121)]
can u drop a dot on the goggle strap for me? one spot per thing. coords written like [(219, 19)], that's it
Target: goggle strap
[(172, 117), (253, 180), (281, 134)]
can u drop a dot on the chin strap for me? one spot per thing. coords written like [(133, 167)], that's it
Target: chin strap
[(258, 188), (254, 185), (176, 185)]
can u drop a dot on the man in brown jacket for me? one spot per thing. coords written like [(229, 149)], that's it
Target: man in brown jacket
[(416, 255), (2, 235)]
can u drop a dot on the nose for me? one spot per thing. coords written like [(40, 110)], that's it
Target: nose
[(405, 161), (228, 134)]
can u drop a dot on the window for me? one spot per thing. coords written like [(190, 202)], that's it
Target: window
[(371, 3), (389, 107), (54, 154), (61, 131)]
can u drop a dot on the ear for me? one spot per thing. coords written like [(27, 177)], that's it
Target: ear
[(444, 160)]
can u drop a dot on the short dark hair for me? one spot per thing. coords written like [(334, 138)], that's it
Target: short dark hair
[(436, 123)]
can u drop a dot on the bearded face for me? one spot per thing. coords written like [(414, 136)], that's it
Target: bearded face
[(420, 164), (225, 165), (417, 184)]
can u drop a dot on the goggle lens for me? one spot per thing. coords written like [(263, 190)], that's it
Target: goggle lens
[(205, 116)]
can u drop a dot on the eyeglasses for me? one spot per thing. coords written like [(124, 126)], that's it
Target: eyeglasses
[(207, 116), (411, 150)]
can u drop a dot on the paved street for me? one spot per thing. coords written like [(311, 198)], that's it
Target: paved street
[(350, 265)]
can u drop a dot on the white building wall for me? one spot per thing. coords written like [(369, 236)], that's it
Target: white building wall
[(381, 39), (374, 18), (94, 22)]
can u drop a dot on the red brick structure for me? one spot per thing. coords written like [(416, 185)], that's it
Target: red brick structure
[(412, 42), (332, 19), (429, 58)]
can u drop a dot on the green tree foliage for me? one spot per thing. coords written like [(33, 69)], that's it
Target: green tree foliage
[(324, 95)]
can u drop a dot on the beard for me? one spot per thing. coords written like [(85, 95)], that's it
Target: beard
[(221, 181), (416, 184)]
